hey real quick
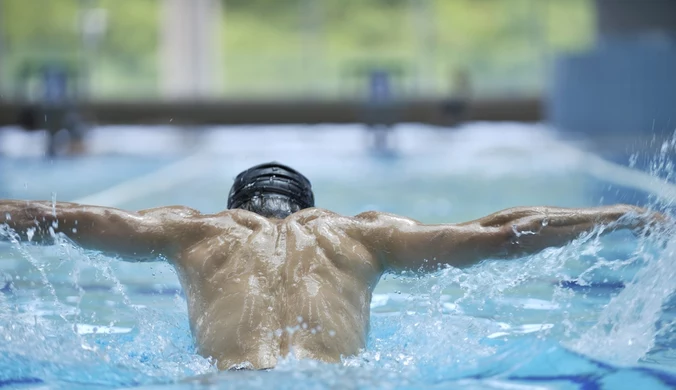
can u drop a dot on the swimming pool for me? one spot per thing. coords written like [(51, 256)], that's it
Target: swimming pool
[(598, 313)]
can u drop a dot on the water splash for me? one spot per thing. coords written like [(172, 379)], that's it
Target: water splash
[(626, 329), (495, 325), (54, 341)]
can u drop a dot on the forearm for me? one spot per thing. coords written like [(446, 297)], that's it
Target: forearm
[(33, 220), (532, 230), (131, 235), (91, 227), (404, 244)]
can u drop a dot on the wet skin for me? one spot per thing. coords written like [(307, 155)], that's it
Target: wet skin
[(258, 289)]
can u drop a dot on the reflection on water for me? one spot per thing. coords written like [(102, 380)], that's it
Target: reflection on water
[(594, 313)]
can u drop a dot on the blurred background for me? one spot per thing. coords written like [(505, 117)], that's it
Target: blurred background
[(70, 70), (150, 50)]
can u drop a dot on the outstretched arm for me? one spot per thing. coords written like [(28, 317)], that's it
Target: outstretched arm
[(143, 235), (402, 243)]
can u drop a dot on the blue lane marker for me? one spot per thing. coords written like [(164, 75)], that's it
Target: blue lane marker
[(587, 382), (20, 381)]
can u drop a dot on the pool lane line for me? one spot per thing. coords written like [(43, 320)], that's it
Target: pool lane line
[(151, 183), (628, 177), (188, 168)]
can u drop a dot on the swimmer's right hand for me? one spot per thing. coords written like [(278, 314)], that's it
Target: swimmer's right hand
[(643, 221)]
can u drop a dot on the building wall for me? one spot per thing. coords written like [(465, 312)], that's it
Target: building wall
[(627, 83)]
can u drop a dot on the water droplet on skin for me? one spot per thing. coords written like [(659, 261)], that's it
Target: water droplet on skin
[(516, 231), (291, 330)]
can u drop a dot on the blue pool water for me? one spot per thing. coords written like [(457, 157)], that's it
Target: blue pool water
[(598, 313)]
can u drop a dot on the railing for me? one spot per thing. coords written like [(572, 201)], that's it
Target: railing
[(306, 111)]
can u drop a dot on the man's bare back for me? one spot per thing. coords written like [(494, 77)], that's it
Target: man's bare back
[(265, 288), (260, 288)]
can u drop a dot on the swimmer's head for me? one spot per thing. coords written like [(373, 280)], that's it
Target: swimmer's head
[(272, 190)]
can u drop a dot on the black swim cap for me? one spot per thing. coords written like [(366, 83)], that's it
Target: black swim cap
[(271, 178)]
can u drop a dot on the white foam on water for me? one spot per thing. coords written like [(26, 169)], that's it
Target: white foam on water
[(100, 329), (531, 303), (626, 328), (379, 300), (521, 329)]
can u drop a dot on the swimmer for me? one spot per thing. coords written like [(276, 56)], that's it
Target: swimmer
[(273, 275)]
